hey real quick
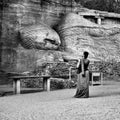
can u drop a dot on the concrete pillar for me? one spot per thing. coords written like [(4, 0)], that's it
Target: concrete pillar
[(101, 78), (48, 84), (70, 72), (99, 21), (44, 84), (16, 86)]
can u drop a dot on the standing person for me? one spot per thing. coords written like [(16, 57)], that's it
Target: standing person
[(83, 77)]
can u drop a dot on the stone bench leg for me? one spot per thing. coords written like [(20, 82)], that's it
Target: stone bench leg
[(16, 86), (100, 75), (101, 78), (92, 80), (46, 84)]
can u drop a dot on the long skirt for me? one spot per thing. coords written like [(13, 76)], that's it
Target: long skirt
[(82, 86)]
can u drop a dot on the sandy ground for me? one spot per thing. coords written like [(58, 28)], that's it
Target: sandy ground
[(103, 104)]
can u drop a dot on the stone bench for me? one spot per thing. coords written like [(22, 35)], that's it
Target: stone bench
[(17, 79), (92, 75), (97, 74)]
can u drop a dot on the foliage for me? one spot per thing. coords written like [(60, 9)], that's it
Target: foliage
[(59, 72), (103, 5), (110, 69), (58, 83), (31, 83)]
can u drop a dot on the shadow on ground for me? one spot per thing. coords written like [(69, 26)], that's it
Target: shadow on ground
[(24, 91)]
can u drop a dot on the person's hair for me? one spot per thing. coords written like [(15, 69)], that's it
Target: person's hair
[(86, 54)]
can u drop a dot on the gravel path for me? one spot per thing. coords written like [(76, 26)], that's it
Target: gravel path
[(103, 104)]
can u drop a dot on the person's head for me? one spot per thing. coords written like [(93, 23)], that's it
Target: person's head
[(85, 54)]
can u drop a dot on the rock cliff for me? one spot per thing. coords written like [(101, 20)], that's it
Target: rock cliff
[(80, 34), (18, 17), (74, 33)]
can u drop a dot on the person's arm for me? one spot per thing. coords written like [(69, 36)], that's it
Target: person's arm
[(82, 66), (88, 64), (78, 63)]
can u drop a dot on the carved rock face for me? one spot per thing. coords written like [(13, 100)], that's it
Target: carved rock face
[(39, 37), (79, 34)]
